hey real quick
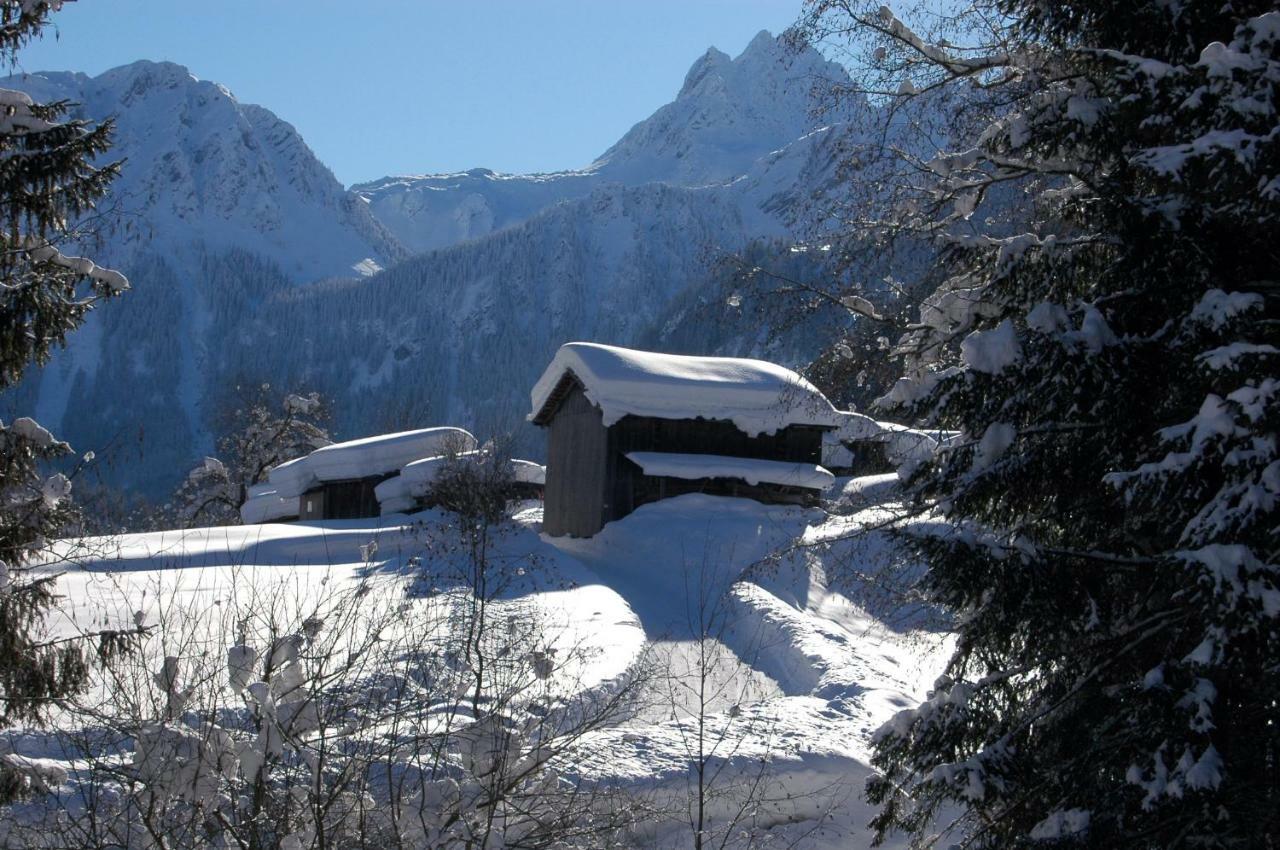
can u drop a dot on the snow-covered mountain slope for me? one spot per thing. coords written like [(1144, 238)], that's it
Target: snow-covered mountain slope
[(209, 184), (229, 214), (203, 168), (799, 670), (433, 211), (729, 114), (459, 335)]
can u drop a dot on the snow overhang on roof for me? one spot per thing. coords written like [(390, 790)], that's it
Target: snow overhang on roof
[(753, 471), (756, 396), (905, 445), (265, 505)]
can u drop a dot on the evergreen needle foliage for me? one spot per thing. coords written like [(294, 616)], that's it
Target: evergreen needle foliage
[(1107, 204), (48, 182)]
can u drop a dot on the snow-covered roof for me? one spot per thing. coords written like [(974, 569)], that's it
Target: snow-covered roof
[(394, 487), (416, 478), (398, 505), (751, 470), (758, 397), (369, 456), (265, 505)]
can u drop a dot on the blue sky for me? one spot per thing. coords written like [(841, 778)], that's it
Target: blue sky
[(404, 86)]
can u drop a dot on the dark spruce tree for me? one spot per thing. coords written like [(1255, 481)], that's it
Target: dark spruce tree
[(1107, 205), (48, 181)]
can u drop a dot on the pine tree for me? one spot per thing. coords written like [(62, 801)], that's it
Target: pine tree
[(1107, 210), (262, 431), (48, 182)]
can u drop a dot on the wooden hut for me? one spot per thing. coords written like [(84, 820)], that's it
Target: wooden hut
[(413, 488), (629, 427), (340, 481)]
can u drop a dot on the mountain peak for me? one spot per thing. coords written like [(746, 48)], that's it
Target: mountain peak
[(709, 63), (729, 113), (204, 168), (763, 40), (147, 72)]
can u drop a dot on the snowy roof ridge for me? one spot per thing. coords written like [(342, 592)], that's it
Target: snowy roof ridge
[(756, 396), (691, 467)]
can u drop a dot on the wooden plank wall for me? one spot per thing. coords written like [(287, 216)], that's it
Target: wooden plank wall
[(799, 443), (576, 465), (349, 499), (629, 488)]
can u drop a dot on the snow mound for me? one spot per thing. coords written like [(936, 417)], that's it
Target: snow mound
[(805, 671), (751, 470), (835, 455), (379, 455), (758, 397), (528, 472)]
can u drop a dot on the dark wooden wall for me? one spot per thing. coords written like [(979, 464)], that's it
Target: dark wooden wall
[(524, 490), (631, 488), (311, 505), (870, 457), (591, 482), (799, 443), (351, 499), (576, 468)]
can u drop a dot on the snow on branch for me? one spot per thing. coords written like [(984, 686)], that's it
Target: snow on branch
[(41, 251), (17, 116), (939, 54)]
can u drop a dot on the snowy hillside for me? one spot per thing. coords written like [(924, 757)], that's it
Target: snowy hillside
[(800, 673), (728, 115), (433, 211), (459, 335)]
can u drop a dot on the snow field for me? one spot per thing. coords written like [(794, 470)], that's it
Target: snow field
[(798, 676), (785, 676), (201, 587)]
